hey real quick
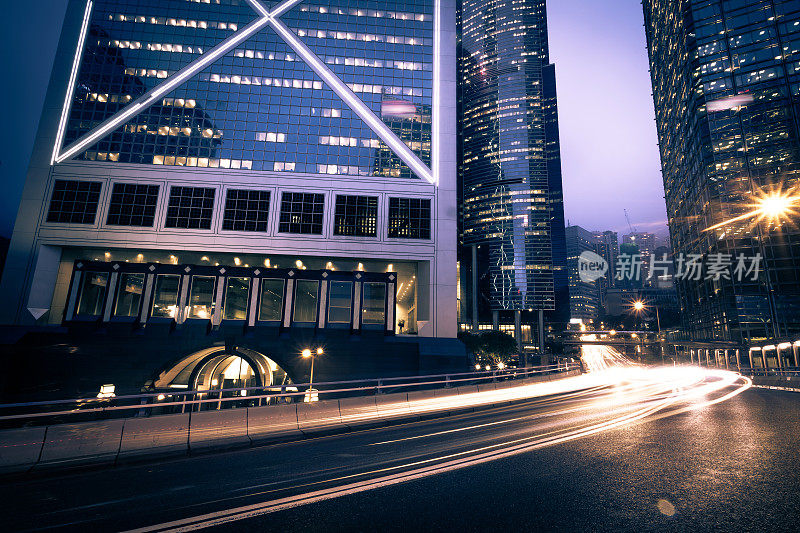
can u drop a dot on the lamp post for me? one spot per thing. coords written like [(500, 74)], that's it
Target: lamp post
[(306, 354), (638, 307)]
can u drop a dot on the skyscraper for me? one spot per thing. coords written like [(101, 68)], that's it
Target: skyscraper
[(270, 170), (607, 247), (726, 87), (510, 170), (646, 244), (584, 295)]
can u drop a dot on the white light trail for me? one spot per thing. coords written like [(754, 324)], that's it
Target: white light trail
[(650, 393)]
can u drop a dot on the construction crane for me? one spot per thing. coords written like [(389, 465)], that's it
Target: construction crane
[(632, 228)]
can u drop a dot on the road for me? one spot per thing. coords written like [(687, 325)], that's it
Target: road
[(642, 450)]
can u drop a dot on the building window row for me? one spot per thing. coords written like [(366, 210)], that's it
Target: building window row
[(104, 292), (133, 204)]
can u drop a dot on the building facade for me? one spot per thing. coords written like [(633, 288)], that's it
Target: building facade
[(726, 87), (646, 244), (607, 247), (584, 294), (245, 165), (510, 170)]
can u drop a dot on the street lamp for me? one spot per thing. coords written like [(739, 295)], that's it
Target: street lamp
[(638, 307), (308, 354)]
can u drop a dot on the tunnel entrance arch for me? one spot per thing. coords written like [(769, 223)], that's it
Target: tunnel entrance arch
[(220, 372)]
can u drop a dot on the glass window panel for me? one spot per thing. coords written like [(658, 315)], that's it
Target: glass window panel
[(129, 294), (93, 290), (74, 202), (301, 213), (373, 311), (356, 216), (410, 218), (271, 307), (339, 303), (132, 204), (190, 207), (201, 297), (305, 301), (165, 298), (236, 292), (246, 210)]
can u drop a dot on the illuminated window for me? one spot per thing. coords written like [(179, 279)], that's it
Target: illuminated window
[(305, 301), (236, 292), (165, 296), (271, 305), (339, 301), (356, 216), (410, 218), (93, 291), (74, 202), (201, 297), (129, 294), (301, 213), (374, 309)]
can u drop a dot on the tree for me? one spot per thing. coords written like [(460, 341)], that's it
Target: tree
[(490, 346)]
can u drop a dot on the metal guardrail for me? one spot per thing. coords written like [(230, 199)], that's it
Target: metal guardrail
[(772, 372), (178, 401)]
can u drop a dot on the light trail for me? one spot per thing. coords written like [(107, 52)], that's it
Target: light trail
[(638, 394)]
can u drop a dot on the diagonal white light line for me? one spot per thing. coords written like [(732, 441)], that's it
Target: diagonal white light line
[(277, 11), (62, 123), (356, 104), (140, 104)]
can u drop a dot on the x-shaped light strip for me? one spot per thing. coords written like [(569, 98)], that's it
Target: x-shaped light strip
[(267, 17)]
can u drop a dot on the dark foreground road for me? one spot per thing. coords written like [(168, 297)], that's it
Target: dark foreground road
[(599, 458)]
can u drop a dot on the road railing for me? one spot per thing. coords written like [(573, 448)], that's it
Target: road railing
[(171, 401), (64, 437), (787, 378)]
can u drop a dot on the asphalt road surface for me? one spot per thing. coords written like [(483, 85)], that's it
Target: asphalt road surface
[(659, 449)]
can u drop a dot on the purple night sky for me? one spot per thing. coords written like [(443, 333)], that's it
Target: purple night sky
[(608, 138)]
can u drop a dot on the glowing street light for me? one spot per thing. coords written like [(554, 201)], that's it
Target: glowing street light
[(638, 305), (306, 353)]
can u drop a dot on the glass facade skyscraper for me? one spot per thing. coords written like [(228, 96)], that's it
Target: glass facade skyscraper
[(510, 168), (257, 164), (584, 294), (726, 86), (260, 106)]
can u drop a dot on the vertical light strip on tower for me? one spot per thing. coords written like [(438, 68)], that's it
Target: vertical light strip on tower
[(73, 76)]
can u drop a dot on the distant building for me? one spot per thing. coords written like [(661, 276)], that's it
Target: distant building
[(584, 296), (607, 247), (646, 244), (664, 277)]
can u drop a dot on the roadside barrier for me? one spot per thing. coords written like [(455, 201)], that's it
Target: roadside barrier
[(150, 429)]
